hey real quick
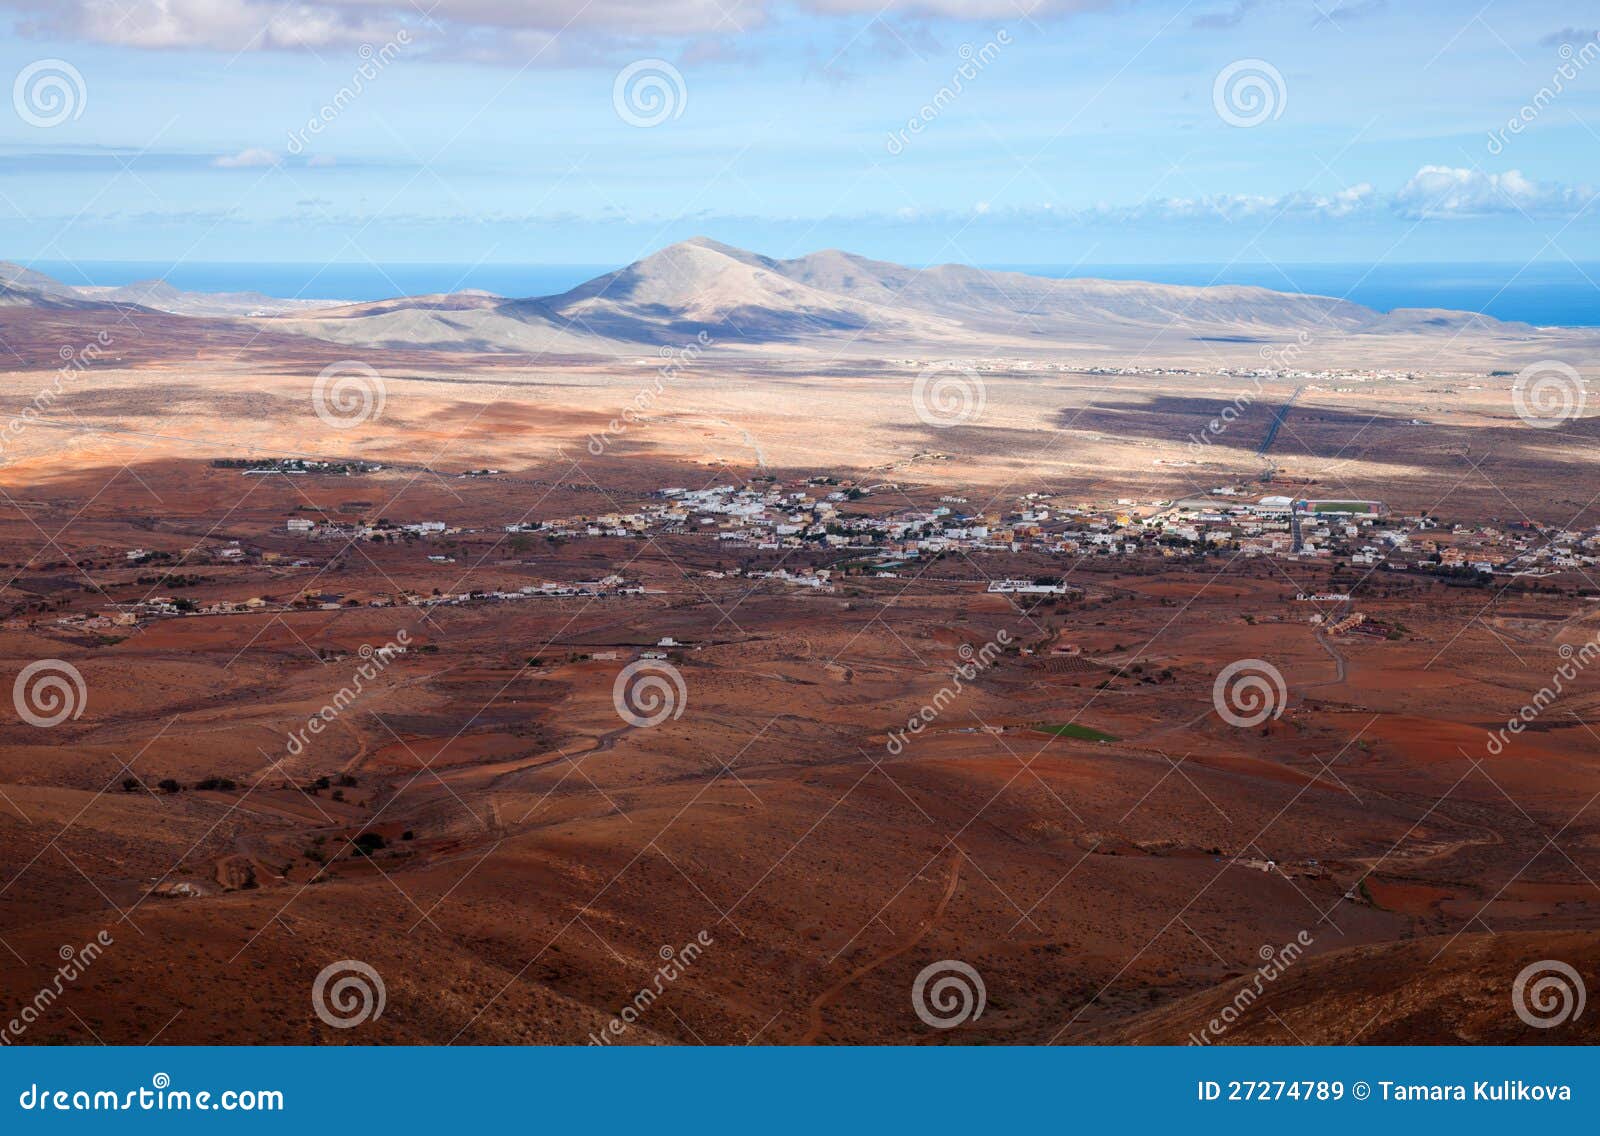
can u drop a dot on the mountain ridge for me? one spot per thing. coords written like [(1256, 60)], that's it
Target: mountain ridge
[(829, 300), (24, 285), (834, 300)]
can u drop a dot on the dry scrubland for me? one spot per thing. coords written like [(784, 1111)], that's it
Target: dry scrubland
[(538, 852)]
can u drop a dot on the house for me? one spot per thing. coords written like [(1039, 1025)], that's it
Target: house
[(1027, 587)]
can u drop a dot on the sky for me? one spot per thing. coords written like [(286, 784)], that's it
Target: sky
[(978, 131)]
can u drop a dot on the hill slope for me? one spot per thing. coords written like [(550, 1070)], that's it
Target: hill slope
[(1387, 994), (836, 303), (839, 302), (20, 285)]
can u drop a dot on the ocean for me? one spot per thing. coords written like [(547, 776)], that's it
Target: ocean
[(1548, 292)]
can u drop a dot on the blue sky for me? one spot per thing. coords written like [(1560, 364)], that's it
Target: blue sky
[(492, 130)]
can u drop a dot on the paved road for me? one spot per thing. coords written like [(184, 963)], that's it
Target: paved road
[(1277, 421)]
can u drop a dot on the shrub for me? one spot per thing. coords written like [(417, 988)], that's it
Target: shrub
[(369, 842)]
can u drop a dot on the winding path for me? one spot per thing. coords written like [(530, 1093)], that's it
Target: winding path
[(832, 992)]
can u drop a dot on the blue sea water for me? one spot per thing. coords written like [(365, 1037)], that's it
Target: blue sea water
[(1547, 292)]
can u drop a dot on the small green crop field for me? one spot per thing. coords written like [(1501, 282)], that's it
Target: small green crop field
[(1082, 733)]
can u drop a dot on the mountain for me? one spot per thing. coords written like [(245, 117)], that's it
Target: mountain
[(163, 297), (24, 288), (837, 302), (976, 296), (701, 284), (704, 284), (16, 276), (23, 296), (20, 285)]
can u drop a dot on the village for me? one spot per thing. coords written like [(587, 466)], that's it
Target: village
[(765, 516), (877, 531)]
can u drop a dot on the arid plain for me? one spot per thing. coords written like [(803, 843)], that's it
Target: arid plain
[(482, 825)]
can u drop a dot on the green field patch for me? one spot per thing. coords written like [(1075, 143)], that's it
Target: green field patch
[(1082, 733)]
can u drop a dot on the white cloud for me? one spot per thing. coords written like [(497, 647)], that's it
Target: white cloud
[(264, 25), (491, 30), (253, 158), (223, 25), (1346, 202), (1433, 193), (959, 9), (1451, 191), (1349, 200)]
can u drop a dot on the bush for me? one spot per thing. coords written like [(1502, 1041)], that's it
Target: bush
[(369, 842)]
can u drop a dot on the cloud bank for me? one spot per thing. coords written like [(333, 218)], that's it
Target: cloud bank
[(483, 30)]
